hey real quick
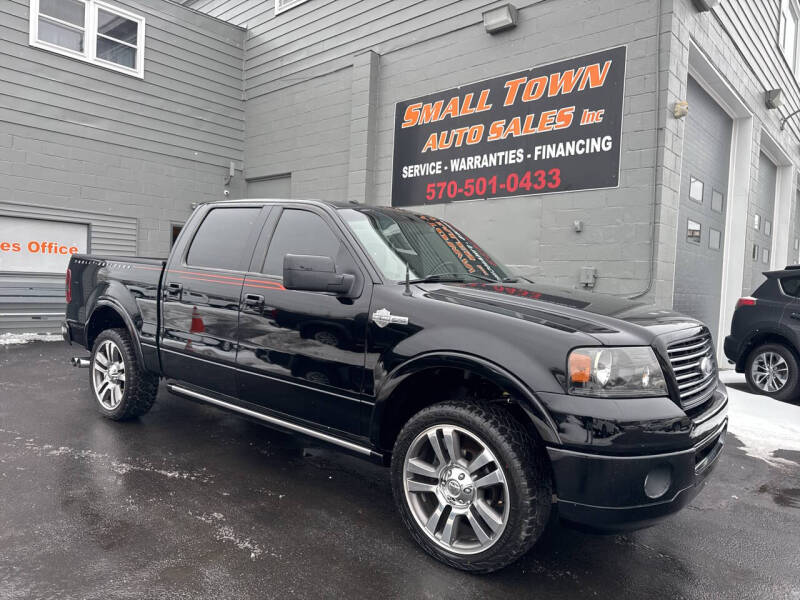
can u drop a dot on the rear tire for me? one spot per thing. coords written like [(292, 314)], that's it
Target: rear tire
[(471, 484), (773, 370), (122, 388)]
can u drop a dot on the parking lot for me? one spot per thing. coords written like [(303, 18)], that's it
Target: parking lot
[(190, 502)]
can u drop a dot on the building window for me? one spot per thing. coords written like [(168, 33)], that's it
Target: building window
[(696, 189), (717, 201), (767, 227), (787, 34), (90, 30), (282, 5), (765, 256), (176, 231), (757, 222), (714, 239), (693, 231)]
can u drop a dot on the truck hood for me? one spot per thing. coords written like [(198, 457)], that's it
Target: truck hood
[(610, 319)]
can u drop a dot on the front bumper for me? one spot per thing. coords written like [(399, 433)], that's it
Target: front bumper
[(621, 492)]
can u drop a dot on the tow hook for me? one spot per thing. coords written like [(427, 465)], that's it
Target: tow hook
[(80, 363)]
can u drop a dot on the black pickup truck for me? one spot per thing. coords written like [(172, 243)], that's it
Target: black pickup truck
[(499, 403)]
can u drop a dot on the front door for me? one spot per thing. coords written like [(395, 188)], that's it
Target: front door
[(302, 353), (202, 285)]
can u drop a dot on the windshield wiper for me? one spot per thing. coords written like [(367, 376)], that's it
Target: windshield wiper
[(458, 277)]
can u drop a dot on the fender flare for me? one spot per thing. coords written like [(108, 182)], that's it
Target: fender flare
[(749, 343), (524, 396), (126, 318)]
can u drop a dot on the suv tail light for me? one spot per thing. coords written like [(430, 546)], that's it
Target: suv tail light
[(746, 301), (68, 285)]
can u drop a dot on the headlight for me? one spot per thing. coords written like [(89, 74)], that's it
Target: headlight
[(615, 373)]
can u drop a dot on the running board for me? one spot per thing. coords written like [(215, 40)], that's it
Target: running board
[(181, 391)]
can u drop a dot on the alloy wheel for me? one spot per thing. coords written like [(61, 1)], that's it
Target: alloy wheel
[(456, 489), (769, 372), (108, 375)]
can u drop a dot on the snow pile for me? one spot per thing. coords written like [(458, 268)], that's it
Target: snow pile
[(9, 339), (762, 424)]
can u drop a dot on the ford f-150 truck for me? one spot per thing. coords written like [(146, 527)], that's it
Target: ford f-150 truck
[(499, 403)]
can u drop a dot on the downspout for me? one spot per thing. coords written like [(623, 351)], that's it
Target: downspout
[(658, 129)]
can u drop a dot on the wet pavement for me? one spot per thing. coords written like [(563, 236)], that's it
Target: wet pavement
[(191, 502)]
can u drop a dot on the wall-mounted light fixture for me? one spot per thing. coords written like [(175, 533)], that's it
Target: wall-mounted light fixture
[(500, 18), (704, 5), (680, 109), (774, 98)]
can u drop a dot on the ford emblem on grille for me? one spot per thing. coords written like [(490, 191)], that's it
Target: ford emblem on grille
[(707, 365)]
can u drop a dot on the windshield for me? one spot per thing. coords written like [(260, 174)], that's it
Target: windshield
[(429, 246)]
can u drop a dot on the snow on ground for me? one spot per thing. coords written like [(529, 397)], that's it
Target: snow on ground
[(8, 339), (762, 424)]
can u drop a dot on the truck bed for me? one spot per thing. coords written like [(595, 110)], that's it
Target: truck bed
[(132, 282)]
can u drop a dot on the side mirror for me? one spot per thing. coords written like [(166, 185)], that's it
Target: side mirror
[(315, 274)]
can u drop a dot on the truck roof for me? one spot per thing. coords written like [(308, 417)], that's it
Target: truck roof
[(312, 202)]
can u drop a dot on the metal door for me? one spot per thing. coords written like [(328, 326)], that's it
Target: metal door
[(270, 187), (703, 204)]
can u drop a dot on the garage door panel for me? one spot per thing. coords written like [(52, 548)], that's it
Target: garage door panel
[(761, 227), (702, 209)]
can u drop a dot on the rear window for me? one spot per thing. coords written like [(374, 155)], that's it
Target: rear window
[(791, 286), (221, 242)]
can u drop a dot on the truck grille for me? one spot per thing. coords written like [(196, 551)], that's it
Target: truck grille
[(686, 357)]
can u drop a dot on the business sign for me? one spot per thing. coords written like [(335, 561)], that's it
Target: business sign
[(553, 128), (38, 246)]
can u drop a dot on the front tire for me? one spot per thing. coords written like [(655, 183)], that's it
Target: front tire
[(122, 388), (472, 486), (773, 370)]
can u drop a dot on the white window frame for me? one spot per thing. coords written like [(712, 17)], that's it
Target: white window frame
[(794, 7), (90, 35), (287, 4)]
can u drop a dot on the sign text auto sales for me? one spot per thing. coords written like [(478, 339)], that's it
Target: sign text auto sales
[(551, 128)]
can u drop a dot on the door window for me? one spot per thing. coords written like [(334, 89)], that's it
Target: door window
[(222, 240), (299, 232)]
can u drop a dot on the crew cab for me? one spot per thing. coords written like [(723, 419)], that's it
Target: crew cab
[(498, 402)]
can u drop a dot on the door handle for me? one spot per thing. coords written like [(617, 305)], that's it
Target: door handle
[(253, 300), (174, 289)]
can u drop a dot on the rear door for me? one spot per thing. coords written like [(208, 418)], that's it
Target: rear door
[(302, 353), (789, 294), (201, 292)]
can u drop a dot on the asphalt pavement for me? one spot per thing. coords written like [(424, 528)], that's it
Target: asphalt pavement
[(191, 502)]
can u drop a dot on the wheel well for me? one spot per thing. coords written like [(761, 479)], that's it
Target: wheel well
[(103, 318), (437, 384), (764, 338)]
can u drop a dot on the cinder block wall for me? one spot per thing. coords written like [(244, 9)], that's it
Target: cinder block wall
[(322, 80)]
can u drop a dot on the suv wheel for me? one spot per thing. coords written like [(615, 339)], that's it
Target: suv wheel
[(772, 369), (122, 388), (471, 485)]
